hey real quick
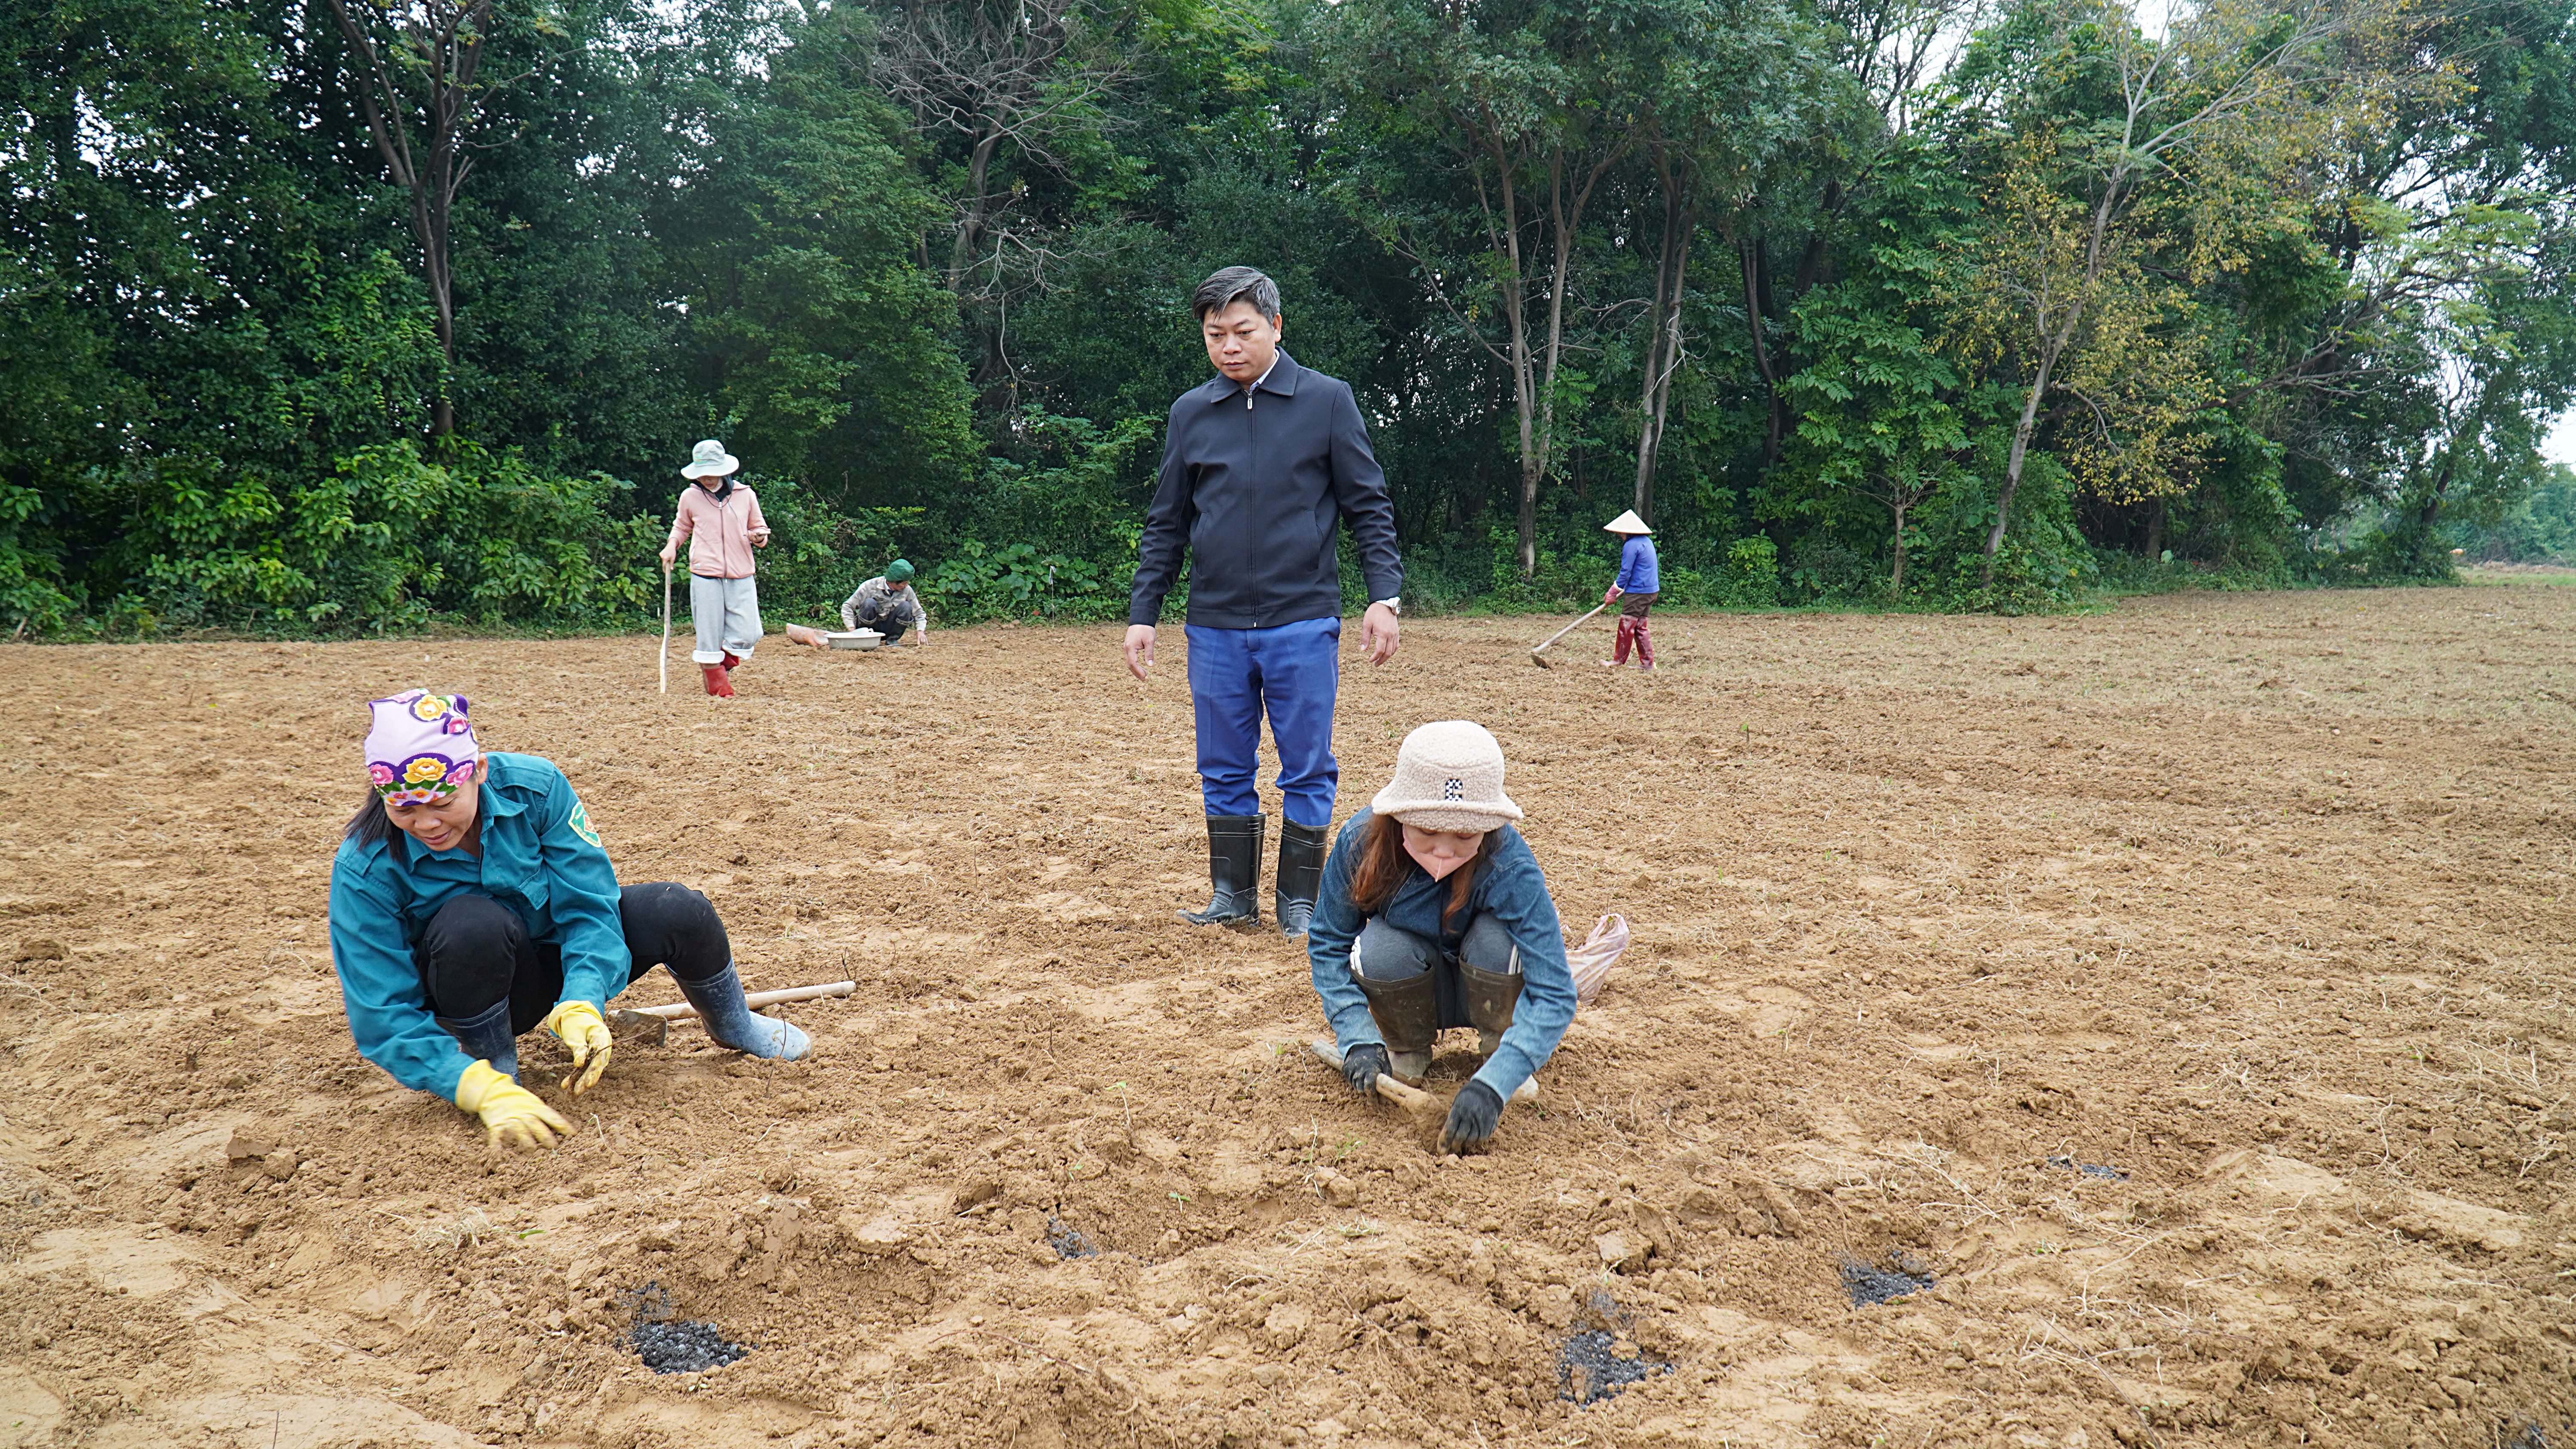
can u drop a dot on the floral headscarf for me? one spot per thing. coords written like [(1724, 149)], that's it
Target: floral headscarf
[(420, 747)]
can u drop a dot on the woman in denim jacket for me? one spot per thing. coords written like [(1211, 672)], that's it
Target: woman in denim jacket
[(1433, 914)]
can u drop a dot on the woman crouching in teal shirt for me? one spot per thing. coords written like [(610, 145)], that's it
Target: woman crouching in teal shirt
[(471, 901), (1433, 914)]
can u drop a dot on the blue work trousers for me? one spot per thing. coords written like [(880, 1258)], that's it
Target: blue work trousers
[(1292, 672)]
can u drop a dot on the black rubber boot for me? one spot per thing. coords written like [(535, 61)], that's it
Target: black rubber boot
[(1407, 1014), (1234, 872), (1301, 875), (1491, 995), (487, 1037)]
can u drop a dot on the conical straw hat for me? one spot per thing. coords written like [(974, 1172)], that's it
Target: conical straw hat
[(1627, 522)]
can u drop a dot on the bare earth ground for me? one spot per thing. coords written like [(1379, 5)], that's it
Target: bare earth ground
[(2257, 900)]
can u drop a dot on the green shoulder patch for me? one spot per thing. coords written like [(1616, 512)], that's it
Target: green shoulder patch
[(580, 822)]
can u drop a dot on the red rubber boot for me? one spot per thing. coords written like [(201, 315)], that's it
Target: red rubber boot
[(717, 684)]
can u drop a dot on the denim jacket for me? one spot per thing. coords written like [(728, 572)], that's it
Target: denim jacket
[(541, 859), (1510, 886)]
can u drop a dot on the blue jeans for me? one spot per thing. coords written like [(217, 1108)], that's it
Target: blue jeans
[(1292, 672)]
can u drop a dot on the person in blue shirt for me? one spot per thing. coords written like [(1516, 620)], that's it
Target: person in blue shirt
[(1433, 914), (1635, 587), (471, 901)]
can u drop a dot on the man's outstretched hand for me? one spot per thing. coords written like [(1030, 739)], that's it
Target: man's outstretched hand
[(1140, 649), (1378, 630)]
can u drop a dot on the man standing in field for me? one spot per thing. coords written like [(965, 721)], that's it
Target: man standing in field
[(1259, 466)]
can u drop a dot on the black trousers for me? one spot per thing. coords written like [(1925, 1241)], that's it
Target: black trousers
[(476, 951), (886, 619)]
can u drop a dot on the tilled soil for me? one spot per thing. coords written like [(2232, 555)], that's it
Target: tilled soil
[(2257, 900)]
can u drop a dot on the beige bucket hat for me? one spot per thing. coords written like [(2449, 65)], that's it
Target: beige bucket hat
[(1448, 776), (1627, 522), (709, 460)]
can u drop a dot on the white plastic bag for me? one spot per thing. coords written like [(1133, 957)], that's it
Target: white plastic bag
[(1591, 961)]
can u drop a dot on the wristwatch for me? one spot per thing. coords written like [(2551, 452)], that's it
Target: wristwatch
[(1394, 606)]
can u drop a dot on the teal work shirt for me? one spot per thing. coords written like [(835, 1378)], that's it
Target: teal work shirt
[(541, 859)]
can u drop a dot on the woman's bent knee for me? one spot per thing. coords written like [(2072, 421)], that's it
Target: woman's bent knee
[(1391, 953), (1489, 947), (469, 953), (671, 925)]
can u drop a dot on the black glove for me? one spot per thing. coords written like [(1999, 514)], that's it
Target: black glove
[(1472, 1115), (1361, 1066)]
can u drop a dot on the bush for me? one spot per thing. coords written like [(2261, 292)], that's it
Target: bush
[(389, 541), (1015, 581), (1750, 578)]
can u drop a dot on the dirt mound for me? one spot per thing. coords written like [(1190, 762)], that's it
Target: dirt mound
[(2259, 901)]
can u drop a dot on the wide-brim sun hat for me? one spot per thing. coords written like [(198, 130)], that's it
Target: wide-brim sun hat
[(1448, 776), (709, 460), (1627, 522)]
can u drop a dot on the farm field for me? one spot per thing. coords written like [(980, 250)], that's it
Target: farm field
[(2181, 994)]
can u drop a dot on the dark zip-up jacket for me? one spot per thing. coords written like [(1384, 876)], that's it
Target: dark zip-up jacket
[(1253, 485)]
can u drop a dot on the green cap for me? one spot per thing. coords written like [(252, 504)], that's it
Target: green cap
[(898, 572)]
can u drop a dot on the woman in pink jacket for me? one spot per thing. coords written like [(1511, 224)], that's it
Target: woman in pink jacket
[(722, 521)]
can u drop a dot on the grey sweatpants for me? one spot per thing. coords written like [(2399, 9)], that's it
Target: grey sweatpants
[(727, 613)]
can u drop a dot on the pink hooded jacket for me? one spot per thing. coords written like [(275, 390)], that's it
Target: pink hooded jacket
[(720, 532)]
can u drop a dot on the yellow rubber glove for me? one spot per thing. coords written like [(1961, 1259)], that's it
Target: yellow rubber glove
[(579, 1026), (512, 1113)]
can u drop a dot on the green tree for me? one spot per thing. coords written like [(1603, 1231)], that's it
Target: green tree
[(816, 336)]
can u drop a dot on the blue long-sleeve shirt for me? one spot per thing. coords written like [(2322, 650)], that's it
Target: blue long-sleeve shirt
[(1637, 574), (541, 859), (1510, 886)]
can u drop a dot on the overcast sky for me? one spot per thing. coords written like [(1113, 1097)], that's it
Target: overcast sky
[(2561, 447)]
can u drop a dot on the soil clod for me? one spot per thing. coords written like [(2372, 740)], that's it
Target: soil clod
[(1594, 1364), (683, 1348), (1884, 1283), (668, 1345), (1068, 1240), (2090, 1169)]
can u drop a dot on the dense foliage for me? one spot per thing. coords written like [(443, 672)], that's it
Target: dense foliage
[(320, 316)]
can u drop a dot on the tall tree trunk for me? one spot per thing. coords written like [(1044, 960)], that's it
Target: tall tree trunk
[(970, 232), (1664, 346), (2052, 347), (431, 217), (1750, 250), (2022, 429), (2431, 512), (1896, 578), (1531, 478), (1524, 385), (449, 40)]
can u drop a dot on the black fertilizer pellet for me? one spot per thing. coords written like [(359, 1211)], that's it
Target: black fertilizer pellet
[(1868, 1284), (1068, 1240), (682, 1348), (1588, 1369)]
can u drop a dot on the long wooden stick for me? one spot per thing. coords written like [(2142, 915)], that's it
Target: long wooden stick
[(666, 628), (679, 1009), (1570, 628)]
